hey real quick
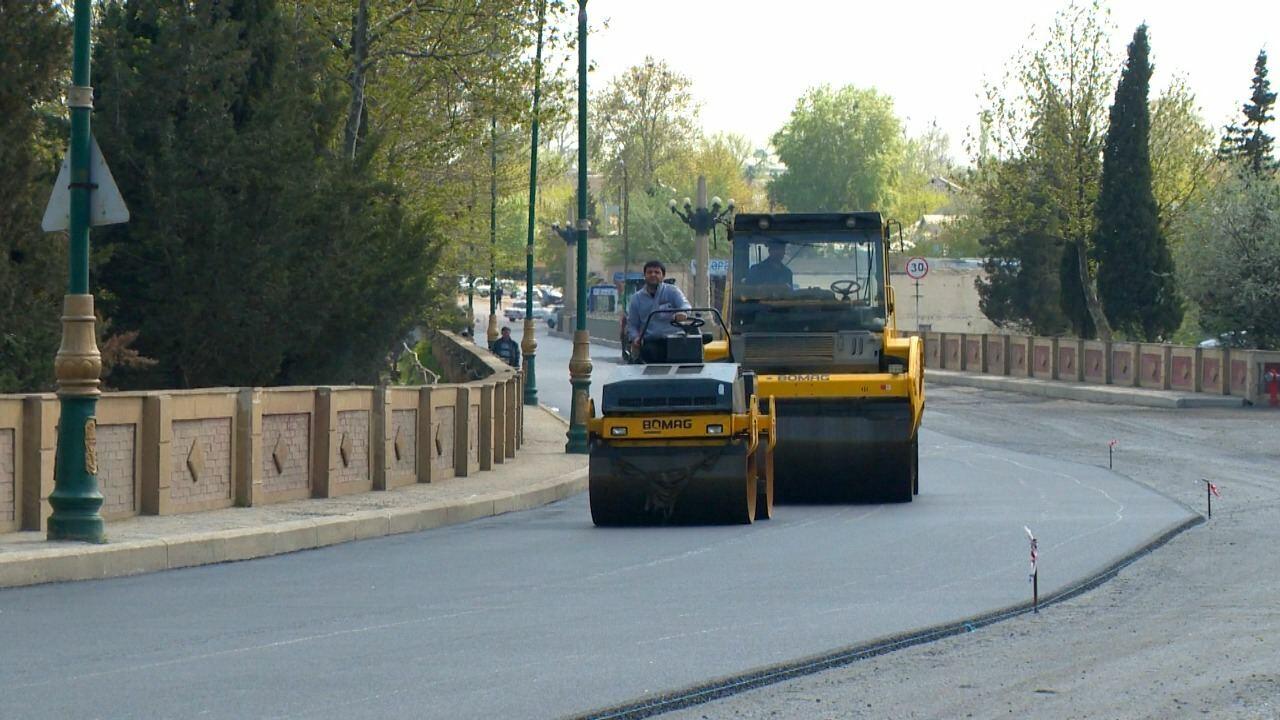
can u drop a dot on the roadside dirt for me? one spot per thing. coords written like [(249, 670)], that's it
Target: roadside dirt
[(1191, 630)]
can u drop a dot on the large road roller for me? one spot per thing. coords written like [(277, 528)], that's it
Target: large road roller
[(681, 436), (812, 314)]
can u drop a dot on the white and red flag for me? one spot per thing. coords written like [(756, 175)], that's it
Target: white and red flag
[(1035, 554), (1213, 489)]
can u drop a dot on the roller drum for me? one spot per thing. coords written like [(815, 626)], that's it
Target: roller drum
[(671, 484)]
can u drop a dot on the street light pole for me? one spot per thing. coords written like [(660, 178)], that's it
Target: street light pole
[(492, 333), (626, 232), (76, 500), (529, 343), (580, 363)]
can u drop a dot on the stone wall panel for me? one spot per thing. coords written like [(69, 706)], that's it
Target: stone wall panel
[(117, 477), (211, 480), (286, 452), (442, 437), (353, 438), (8, 477), (404, 446)]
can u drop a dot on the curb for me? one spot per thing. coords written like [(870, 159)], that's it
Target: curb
[(1083, 392), (77, 561)]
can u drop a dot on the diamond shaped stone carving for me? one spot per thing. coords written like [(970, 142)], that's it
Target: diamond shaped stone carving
[(344, 450), (396, 443), (195, 460), (280, 455)]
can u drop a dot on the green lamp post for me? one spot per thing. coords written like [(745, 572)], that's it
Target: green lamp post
[(580, 362), (76, 500), (529, 344)]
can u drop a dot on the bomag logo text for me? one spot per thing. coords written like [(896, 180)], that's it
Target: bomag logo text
[(676, 424), (804, 378)]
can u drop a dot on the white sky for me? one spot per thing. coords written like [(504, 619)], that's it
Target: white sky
[(750, 60)]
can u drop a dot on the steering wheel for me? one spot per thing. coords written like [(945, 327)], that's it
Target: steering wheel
[(845, 288), (689, 324)]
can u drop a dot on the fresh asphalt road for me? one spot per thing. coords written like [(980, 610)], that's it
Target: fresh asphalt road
[(539, 614)]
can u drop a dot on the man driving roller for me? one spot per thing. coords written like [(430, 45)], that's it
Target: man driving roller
[(771, 270), (655, 295)]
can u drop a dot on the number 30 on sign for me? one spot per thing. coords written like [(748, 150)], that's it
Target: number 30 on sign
[(917, 268)]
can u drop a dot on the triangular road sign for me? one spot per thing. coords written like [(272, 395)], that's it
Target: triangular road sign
[(106, 207)]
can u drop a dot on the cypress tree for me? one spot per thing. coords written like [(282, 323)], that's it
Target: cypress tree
[(1135, 267), (1247, 142)]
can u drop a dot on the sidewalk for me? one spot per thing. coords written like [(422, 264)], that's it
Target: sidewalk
[(1084, 392), (540, 473)]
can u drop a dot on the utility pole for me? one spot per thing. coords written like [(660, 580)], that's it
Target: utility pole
[(580, 363), (76, 499), (528, 343)]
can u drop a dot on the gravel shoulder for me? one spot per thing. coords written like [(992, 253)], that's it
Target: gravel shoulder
[(1192, 629)]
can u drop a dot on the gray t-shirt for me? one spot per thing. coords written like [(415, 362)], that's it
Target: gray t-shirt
[(667, 297)]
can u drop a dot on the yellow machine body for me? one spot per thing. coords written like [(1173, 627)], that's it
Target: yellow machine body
[(681, 443), (822, 338)]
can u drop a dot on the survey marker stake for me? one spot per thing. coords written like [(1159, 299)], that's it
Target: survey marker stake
[(1111, 447), (1035, 571), (1210, 490)]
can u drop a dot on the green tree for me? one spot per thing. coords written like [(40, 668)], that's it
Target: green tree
[(646, 119), (1046, 122), (842, 148), (923, 158), (1022, 285), (1182, 155), (251, 229), (34, 57), (1231, 273), (1135, 268), (1247, 142)]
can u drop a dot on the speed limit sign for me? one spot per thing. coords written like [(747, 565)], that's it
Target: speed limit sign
[(917, 268)]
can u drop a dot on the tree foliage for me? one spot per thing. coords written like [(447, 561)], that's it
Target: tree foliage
[(1135, 269), (1231, 272), (842, 148), (249, 222), (34, 38), (1247, 142), (1043, 128)]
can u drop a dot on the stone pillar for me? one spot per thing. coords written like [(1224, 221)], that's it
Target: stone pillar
[(382, 451), (247, 472), (157, 457), (323, 441), (39, 449)]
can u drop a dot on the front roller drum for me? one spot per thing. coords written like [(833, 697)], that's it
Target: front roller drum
[(671, 484)]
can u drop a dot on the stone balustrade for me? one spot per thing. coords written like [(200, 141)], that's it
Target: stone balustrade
[(1158, 366), (178, 451)]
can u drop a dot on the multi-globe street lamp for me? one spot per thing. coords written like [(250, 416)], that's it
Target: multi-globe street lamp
[(702, 219)]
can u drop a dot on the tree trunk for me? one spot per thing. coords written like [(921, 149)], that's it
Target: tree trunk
[(359, 54), (1089, 286)]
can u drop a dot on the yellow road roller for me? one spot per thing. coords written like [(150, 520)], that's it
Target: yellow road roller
[(681, 437), (812, 314)]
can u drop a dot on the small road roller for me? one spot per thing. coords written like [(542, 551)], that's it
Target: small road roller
[(681, 437)]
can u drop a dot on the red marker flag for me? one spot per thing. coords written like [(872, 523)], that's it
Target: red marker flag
[(1214, 489), (1113, 443)]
